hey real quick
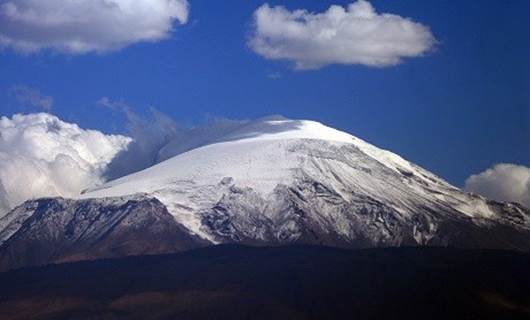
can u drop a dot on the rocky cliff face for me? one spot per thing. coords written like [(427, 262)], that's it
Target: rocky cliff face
[(311, 213), (59, 230)]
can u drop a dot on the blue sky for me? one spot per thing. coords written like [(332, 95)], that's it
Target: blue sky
[(457, 110)]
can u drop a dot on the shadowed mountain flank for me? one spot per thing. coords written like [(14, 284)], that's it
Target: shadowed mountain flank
[(61, 230)]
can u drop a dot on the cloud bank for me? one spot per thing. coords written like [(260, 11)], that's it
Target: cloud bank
[(82, 26), (32, 97), (503, 182), (40, 156), (356, 34)]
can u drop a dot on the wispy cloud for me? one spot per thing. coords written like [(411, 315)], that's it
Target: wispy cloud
[(274, 75), (158, 137), (149, 134), (82, 26), (28, 96), (356, 34)]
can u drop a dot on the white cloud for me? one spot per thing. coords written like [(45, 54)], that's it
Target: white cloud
[(503, 182), (31, 97), (83, 26), (356, 34), (40, 155)]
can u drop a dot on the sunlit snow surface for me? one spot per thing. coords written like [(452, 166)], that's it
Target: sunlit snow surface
[(264, 155)]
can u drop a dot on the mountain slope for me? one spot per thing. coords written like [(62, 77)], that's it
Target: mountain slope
[(271, 179), (58, 230), (277, 181)]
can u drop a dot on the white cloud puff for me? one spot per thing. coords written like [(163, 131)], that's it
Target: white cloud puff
[(356, 34), (40, 156), (503, 182), (83, 26)]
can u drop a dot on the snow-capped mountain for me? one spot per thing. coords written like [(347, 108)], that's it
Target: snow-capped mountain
[(276, 181)]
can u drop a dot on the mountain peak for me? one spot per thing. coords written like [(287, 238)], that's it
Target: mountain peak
[(274, 127), (262, 170), (278, 181), (280, 128)]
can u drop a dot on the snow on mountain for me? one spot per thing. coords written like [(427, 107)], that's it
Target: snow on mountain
[(259, 159), (51, 230), (270, 181)]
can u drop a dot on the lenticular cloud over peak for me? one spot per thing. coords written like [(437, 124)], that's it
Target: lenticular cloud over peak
[(355, 34), (40, 156), (82, 26)]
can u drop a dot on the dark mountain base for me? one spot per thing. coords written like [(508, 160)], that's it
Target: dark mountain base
[(232, 282)]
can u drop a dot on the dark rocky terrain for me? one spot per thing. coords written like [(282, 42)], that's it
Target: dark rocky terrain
[(300, 282), (53, 230), (60, 230)]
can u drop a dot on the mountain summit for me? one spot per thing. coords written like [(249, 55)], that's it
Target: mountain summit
[(271, 181)]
